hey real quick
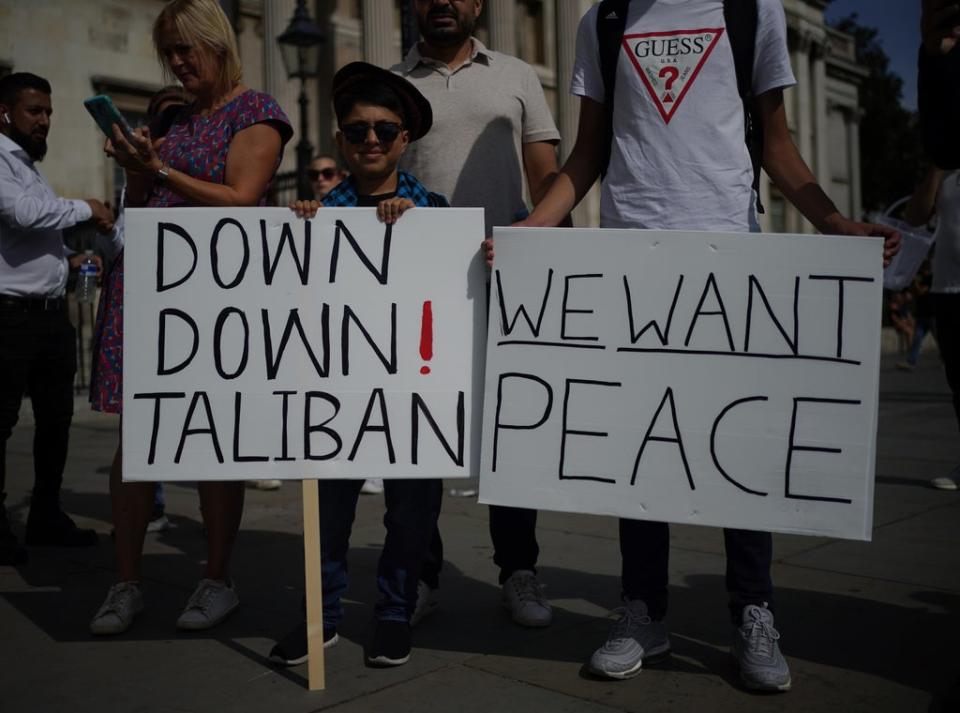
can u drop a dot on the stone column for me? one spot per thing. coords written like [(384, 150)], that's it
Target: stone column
[(276, 17), (821, 167), (853, 151), (804, 113), (502, 22), (379, 34)]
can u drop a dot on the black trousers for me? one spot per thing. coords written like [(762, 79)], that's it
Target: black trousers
[(947, 311), (38, 354), (514, 537), (645, 553)]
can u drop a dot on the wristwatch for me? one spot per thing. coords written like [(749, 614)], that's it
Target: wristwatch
[(162, 174)]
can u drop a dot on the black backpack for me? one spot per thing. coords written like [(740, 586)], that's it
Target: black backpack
[(741, 20)]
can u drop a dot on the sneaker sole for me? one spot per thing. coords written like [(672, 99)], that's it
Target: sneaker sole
[(384, 661), (280, 661), (650, 660), (202, 625)]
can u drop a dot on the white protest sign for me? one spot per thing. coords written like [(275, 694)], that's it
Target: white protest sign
[(260, 345), (700, 378)]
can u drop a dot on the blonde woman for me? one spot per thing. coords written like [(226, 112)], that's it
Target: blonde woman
[(221, 150)]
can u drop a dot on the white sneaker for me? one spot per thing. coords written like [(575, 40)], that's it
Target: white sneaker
[(523, 598), (372, 486), (427, 603), (211, 602), (948, 481), (271, 484), (124, 601), (158, 524)]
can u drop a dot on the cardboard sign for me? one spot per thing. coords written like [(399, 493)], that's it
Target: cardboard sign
[(260, 345), (700, 378)]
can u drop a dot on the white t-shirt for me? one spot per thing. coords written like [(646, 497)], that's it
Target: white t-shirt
[(946, 254), (679, 160)]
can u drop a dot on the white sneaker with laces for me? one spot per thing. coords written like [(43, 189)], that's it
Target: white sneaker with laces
[(634, 639), (427, 603), (372, 486), (950, 481), (523, 598), (268, 484), (124, 601), (158, 524), (211, 602)]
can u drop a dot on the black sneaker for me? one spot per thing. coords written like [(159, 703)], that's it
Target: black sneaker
[(391, 644), (56, 529), (291, 650)]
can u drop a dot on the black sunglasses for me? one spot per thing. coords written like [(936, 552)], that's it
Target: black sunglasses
[(328, 173), (386, 131)]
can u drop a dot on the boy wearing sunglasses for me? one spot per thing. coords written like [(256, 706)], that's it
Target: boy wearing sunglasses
[(379, 114)]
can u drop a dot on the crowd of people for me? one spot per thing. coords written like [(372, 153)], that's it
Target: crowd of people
[(453, 124)]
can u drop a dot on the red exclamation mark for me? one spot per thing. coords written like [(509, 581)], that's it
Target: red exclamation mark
[(426, 336)]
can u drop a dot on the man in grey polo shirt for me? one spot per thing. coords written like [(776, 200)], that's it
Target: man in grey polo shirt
[(491, 125)]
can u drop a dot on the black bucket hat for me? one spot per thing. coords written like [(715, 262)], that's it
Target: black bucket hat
[(418, 116)]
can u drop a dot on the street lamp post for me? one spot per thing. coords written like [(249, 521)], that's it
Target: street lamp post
[(300, 50)]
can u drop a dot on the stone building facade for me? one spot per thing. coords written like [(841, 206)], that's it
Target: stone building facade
[(103, 46)]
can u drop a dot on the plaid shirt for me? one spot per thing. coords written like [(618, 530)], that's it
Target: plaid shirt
[(344, 194)]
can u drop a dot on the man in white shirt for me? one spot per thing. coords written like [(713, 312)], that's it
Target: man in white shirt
[(37, 341), (491, 126), (678, 160)]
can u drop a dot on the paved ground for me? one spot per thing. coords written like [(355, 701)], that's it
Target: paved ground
[(866, 626)]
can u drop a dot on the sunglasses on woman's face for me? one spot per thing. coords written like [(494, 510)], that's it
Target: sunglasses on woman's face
[(328, 173), (386, 131)]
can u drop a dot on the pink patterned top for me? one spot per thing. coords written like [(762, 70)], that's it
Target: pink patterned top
[(195, 145)]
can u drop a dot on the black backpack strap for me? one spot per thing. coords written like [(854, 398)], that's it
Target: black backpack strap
[(611, 24), (741, 19)]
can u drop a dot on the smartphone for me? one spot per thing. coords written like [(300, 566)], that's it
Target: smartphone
[(106, 114)]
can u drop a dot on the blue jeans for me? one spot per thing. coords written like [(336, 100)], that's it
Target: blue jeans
[(922, 327), (413, 507)]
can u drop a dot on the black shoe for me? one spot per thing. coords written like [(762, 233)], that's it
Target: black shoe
[(391, 644), (56, 529), (291, 650)]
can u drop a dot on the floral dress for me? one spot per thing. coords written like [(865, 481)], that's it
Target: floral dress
[(196, 145)]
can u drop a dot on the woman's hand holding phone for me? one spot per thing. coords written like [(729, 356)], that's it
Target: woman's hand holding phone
[(138, 154)]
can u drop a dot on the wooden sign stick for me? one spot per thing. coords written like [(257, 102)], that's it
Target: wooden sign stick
[(314, 588)]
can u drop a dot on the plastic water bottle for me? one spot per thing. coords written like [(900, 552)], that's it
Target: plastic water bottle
[(87, 281)]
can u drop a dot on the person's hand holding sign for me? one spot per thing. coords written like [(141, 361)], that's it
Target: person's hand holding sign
[(940, 26), (305, 209), (390, 210)]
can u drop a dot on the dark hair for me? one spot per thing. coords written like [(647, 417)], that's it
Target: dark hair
[(170, 92), (367, 92), (13, 84)]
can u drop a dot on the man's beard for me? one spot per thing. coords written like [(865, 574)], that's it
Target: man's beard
[(447, 37), (36, 148)]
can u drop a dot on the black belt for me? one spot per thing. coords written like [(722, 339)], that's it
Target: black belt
[(12, 303)]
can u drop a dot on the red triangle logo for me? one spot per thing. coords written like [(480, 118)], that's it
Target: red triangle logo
[(668, 63)]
